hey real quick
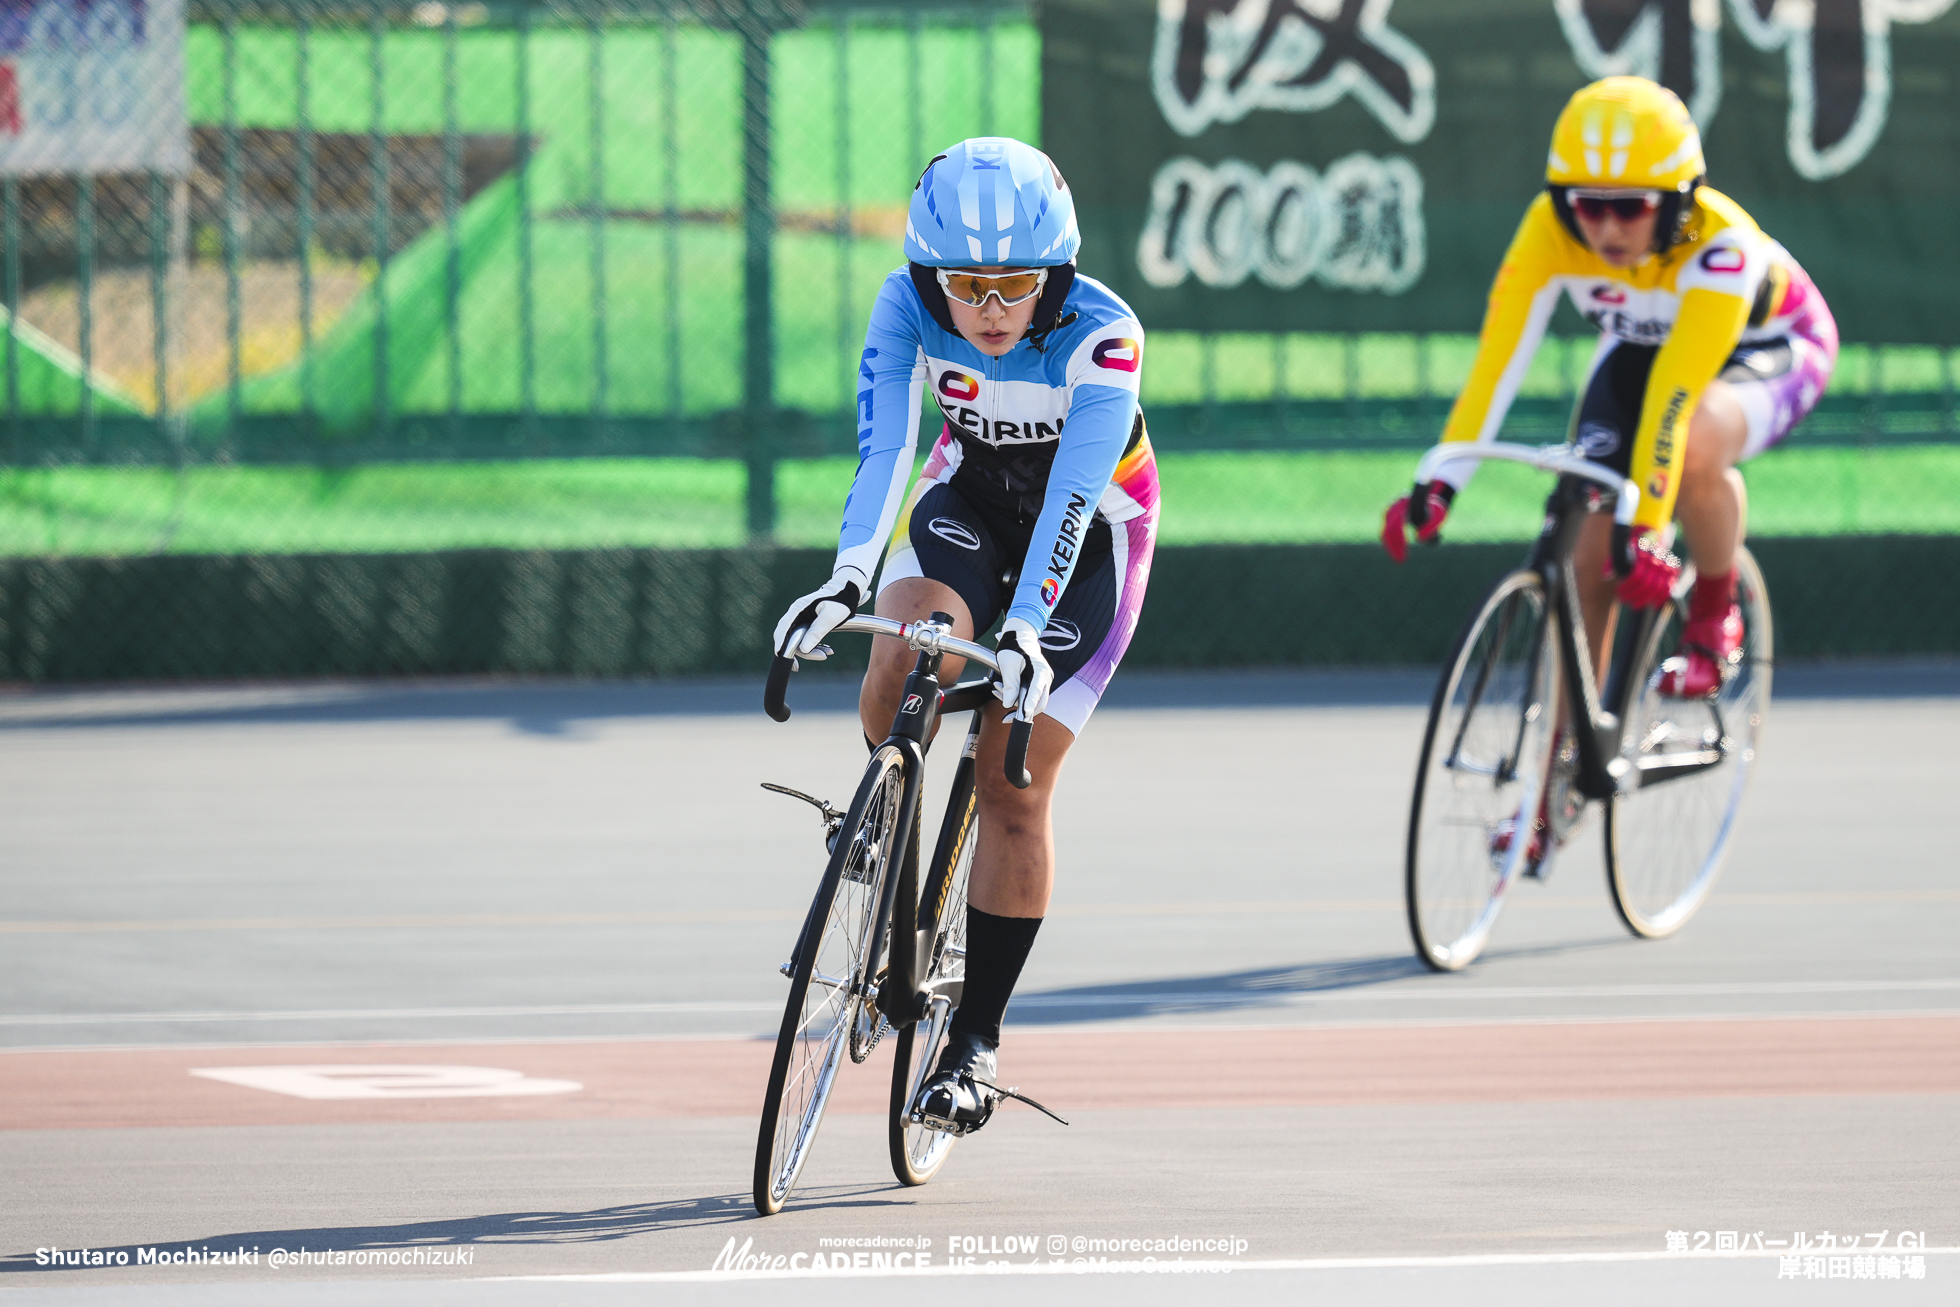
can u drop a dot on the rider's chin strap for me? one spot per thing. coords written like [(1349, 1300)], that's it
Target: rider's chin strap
[(1039, 339), (1048, 315), (1016, 1094)]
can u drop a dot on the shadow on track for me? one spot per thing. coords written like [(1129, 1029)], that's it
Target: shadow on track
[(559, 707), (602, 1225), (547, 708), (1269, 986)]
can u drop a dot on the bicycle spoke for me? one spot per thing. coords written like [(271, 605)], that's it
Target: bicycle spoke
[(918, 1152), (826, 978), (1666, 838), (1484, 758)]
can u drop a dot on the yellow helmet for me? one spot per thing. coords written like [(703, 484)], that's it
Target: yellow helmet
[(1625, 132)]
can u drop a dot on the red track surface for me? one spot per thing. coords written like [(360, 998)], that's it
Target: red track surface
[(1070, 1070)]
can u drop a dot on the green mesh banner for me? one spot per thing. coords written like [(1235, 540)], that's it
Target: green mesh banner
[(1344, 165), (640, 612)]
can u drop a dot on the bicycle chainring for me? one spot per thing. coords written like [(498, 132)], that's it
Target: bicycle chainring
[(868, 1024)]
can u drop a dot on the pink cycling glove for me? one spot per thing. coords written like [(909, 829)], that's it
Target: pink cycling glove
[(1648, 572), (1423, 508)]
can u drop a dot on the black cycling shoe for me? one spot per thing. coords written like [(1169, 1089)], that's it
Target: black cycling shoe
[(951, 1099)]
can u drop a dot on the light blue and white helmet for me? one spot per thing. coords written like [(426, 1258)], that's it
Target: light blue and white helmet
[(991, 202)]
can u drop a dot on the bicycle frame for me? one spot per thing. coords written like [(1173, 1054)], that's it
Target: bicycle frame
[(905, 997), (1598, 719)]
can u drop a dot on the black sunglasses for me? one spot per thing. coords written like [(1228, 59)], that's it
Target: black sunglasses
[(1593, 206)]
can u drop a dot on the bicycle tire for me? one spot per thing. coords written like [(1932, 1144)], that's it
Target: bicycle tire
[(826, 982), (917, 1152), (1485, 752), (1666, 841)]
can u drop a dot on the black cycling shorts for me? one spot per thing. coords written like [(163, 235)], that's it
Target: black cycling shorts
[(1766, 376), (976, 548)]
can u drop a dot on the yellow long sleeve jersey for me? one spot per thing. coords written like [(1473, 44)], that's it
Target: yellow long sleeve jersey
[(1695, 302)]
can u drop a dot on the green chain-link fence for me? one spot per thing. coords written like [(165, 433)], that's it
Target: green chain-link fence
[(593, 276)]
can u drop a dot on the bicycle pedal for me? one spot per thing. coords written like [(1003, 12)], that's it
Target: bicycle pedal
[(944, 1127)]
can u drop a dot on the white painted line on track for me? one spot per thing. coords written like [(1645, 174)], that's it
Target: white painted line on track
[(1165, 1265), (1431, 989), (745, 916), (382, 1014), (392, 1080)]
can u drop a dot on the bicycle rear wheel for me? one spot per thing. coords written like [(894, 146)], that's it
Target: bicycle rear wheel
[(1666, 839), (1484, 757), (917, 1152), (826, 982)]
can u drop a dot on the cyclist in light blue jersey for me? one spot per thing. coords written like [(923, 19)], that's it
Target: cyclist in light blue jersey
[(1038, 502)]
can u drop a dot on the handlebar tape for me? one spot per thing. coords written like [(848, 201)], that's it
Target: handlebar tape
[(775, 690), (1017, 754)]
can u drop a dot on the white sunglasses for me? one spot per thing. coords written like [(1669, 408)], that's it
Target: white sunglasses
[(1010, 288)]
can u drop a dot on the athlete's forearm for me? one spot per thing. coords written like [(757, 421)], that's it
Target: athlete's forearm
[(1513, 328), (1703, 337), (1099, 423), (1521, 302), (889, 392)]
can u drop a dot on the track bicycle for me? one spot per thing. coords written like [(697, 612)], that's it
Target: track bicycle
[(881, 949), (1519, 725)]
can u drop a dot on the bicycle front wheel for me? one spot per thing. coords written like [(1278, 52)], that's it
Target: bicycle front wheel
[(826, 975), (917, 1152), (1668, 832), (1484, 757)]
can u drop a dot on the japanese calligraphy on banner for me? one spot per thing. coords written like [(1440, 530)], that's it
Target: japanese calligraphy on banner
[(1338, 165), (92, 86)]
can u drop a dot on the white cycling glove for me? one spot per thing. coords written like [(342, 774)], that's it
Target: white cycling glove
[(1025, 676), (819, 612)]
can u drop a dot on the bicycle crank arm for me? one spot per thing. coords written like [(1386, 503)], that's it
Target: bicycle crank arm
[(1671, 766)]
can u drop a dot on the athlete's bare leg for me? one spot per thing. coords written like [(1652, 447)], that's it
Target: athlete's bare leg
[(1596, 601), (1712, 507), (1014, 861)]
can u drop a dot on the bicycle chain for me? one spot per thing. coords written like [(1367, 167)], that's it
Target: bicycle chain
[(861, 1050)]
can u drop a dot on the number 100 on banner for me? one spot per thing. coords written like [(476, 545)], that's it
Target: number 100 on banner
[(1357, 226)]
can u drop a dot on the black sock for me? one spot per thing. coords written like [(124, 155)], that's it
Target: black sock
[(996, 949)]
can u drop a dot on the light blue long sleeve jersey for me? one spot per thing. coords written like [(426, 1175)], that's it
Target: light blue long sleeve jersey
[(1037, 426)]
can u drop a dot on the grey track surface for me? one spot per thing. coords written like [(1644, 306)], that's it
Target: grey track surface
[(295, 864)]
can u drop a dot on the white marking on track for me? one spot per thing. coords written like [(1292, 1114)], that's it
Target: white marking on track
[(385, 1014), (387, 1081)]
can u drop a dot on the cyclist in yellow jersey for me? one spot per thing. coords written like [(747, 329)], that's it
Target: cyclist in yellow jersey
[(1713, 344)]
